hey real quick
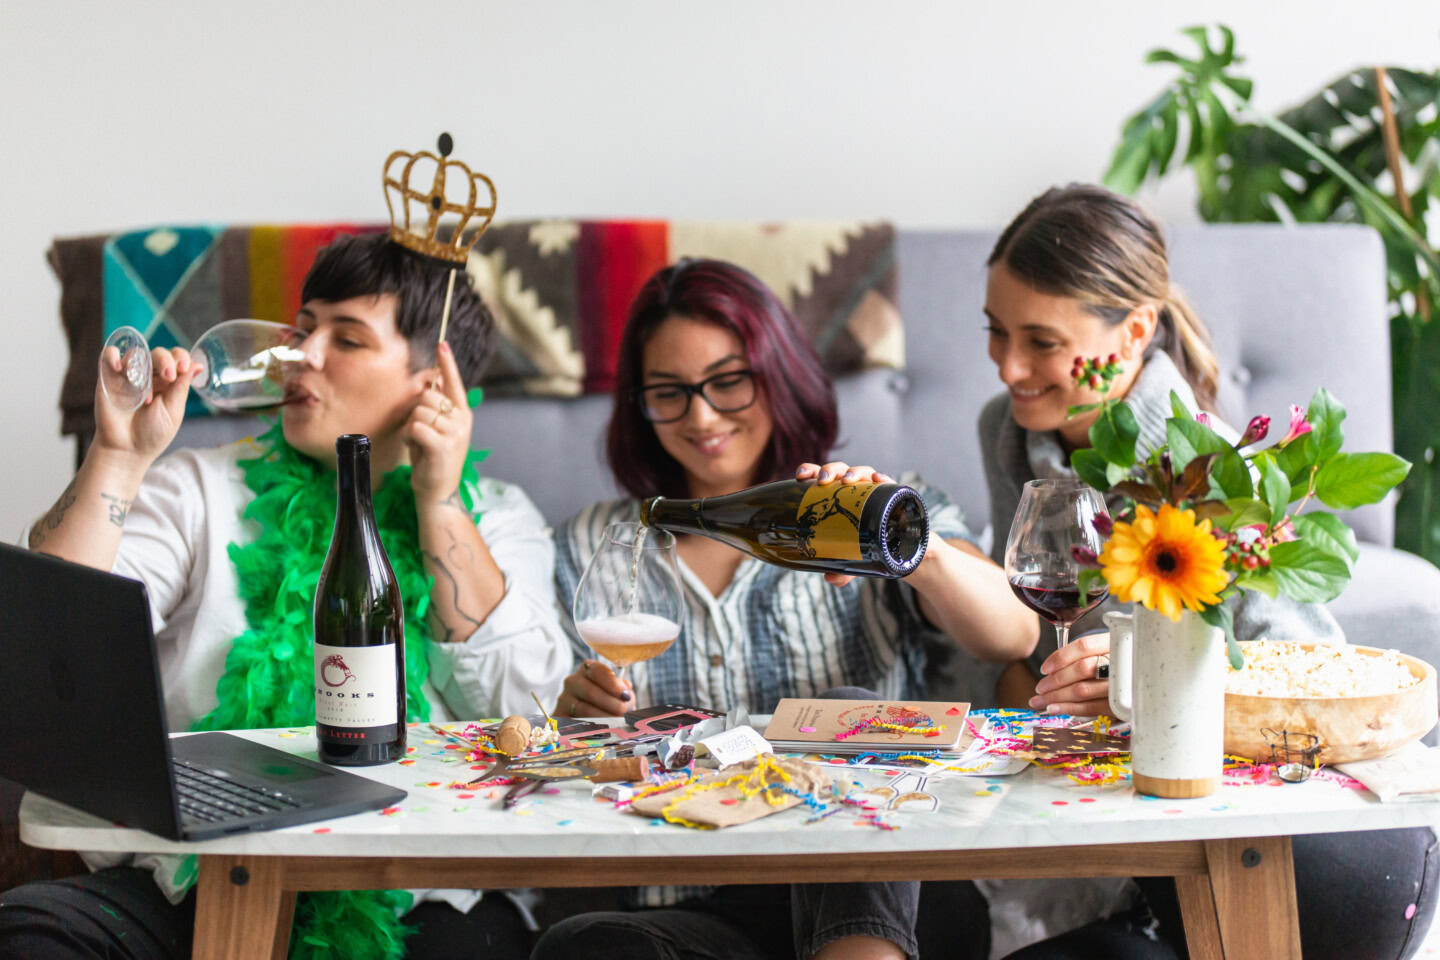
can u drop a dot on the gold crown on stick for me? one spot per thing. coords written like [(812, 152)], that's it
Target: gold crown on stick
[(418, 226)]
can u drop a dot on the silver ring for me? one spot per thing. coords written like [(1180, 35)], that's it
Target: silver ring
[(574, 702), (1102, 669)]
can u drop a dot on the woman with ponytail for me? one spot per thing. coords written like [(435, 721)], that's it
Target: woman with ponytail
[(1083, 272)]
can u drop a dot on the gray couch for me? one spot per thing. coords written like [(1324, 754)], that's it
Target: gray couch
[(1290, 309)]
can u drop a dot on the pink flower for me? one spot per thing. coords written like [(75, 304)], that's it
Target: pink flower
[(1298, 424), (1284, 533), (1202, 418), (1255, 432), (1103, 524), (1085, 556)]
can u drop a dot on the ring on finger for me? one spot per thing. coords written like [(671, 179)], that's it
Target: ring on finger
[(1102, 668), (574, 702), (446, 406)]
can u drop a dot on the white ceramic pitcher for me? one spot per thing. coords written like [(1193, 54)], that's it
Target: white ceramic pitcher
[(1168, 679)]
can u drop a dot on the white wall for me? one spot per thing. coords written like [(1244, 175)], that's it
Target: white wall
[(115, 115)]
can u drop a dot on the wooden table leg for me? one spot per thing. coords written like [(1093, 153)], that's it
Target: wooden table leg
[(1197, 909), (242, 909), (1245, 909)]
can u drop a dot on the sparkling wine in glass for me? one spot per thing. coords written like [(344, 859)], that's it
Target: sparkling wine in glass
[(627, 606), (243, 364), (1054, 516)]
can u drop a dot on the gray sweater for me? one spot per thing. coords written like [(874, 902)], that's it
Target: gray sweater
[(1013, 455)]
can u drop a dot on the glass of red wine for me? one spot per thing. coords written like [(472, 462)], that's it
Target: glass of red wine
[(1054, 517)]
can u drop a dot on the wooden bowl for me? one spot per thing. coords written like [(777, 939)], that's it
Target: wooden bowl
[(1348, 728)]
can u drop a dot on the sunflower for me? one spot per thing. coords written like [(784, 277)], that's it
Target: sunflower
[(1166, 562)]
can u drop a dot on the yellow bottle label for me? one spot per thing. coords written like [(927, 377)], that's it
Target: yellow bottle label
[(829, 520)]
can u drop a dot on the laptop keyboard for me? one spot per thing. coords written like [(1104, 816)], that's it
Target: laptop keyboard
[(211, 799)]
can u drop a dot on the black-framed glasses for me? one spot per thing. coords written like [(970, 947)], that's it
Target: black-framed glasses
[(728, 392)]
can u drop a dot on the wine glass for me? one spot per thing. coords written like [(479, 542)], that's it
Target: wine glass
[(1054, 516), (243, 364), (627, 606)]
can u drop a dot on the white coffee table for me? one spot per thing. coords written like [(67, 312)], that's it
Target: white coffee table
[(1230, 852)]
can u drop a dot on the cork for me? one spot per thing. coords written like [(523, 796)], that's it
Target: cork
[(624, 768), (513, 737)]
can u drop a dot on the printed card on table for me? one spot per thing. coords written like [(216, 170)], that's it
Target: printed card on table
[(856, 726)]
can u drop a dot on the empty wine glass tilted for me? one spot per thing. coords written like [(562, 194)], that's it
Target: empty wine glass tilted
[(242, 364)]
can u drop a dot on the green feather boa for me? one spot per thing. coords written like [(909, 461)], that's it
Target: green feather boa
[(270, 671)]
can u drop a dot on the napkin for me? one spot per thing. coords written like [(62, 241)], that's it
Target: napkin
[(1408, 775)]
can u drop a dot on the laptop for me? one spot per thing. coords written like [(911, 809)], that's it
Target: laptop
[(84, 719)]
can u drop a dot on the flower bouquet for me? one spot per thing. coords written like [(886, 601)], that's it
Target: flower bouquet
[(1204, 518)]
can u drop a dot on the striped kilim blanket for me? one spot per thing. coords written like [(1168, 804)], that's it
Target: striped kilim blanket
[(560, 290)]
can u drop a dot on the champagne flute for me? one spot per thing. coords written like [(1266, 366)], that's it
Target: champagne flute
[(243, 364), (627, 605), (1053, 517)]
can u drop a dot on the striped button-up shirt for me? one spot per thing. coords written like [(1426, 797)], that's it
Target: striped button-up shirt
[(772, 632)]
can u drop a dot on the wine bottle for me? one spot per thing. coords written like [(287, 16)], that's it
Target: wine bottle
[(867, 529), (359, 629)]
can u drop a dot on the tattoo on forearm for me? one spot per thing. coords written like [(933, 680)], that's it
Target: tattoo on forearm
[(454, 501), (119, 509), (459, 553), (462, 619), (53, 517)]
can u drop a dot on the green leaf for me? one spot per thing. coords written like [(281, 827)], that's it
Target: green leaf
[(1188, 440), (1166, 56), (1087, 580), (1114, 433), (1072, 412), (1328, 532), (1114, 473), (1308, 573), (1296, 459), (1274, 489), (1245, 512), (1325, 414), (1351, 480), (1231, 474), (1178, 408), (1164, 137), (1223, 617), (1090, 467), (1227, 55), (1240, 85), (1128, 168), (1259, 581)]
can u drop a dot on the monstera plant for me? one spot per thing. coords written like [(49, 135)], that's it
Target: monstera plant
[(1364, 149)]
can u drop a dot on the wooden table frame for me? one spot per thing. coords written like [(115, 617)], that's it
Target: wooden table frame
[(1237, 896)]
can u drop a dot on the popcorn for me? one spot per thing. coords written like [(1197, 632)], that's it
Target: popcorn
[(1290, 670)]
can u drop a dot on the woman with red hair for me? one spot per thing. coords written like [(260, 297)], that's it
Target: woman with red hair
[(717, 389)]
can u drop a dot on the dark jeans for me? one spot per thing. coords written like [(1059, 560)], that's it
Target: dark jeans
[(949, 920), (1361, 896), (120, 914)]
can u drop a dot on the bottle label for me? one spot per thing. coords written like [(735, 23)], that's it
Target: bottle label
[(828, 522), (355, 688)]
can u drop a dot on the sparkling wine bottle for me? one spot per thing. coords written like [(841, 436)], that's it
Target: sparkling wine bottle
[(359, 629), (867, 529)]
